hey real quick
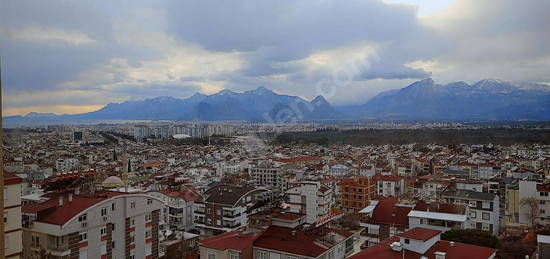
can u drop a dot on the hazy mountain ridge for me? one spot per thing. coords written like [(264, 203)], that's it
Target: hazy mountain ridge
[(422, 100), (485, 100)]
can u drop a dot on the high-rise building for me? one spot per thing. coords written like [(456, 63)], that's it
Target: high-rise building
[(106, 225), (141, 132), (13, 244)]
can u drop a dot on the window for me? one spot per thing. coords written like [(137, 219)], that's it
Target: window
[(103, 231), (5, 218), (149, 201), (211, 256), (234, 256), (407, 241), (35, 240), (132, 221), (133, 204), (473, 214), (103, 249), (486, 216), (113, 244), (147, 233), (83, 236), (541, 202), (148, 217), (113, 206), (473, 203), (486, 205), (104, 211), (544, 194), (262, 255), (132, 239), (83, 217), (373, 231), (542, 212)]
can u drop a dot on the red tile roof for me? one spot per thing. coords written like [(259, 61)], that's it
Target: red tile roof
[(281, 239), (289, 216), (153, 164), (543, 187), (11, 179), (62, 214), (387, 213), (387, 178), (455, 251), (188, 194), (234, 240), (423, 234)]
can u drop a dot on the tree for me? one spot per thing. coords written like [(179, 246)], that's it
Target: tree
[(533, 205), (471, 236)]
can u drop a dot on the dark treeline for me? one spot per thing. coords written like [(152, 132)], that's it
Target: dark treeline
[(503, 136)]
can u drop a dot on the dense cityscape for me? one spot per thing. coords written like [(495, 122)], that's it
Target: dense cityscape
[(217, 190), (297, 129)]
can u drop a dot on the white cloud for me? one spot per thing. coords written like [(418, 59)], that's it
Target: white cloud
[(48, 34)]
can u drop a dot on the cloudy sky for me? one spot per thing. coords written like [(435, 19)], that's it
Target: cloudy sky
[(76, 56)]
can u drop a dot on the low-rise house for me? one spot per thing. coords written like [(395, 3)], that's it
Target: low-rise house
[(420, 243)]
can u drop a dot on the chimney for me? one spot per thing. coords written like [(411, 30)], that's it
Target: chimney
[(452, 243), (440, 255), (70, 197), (77, 191), (60, 200)]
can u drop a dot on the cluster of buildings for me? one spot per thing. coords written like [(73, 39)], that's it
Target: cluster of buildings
[(195, 130), (128, 199)]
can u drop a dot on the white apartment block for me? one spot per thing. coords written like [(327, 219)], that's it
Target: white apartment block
[(12, 216), (534, 203), (483, 208), (310, 198), (67, 164), (106, 225)]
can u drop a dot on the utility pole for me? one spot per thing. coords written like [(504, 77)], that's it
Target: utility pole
[(2, 251)]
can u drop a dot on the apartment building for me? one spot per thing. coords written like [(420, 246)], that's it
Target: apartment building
[(267, 176), (310, 198), (534, 203), (225, 208), (389, 185), (483, 208), (12, 216), (440, 216), (178, 211), (66, 164), (355, 193), (103, 225)]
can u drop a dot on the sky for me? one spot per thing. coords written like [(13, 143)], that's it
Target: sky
[(76, 56)]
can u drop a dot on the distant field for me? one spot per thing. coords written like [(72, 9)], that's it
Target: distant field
[(504, 136)]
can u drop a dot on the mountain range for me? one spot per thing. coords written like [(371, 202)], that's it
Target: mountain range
[(422, 100)]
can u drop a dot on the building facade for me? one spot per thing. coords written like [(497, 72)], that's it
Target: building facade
[(107, 225), (310, 198), (12, 216)]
